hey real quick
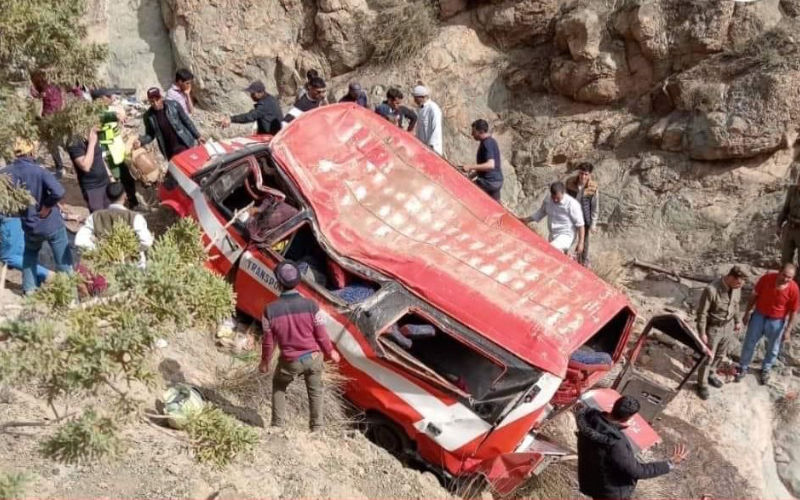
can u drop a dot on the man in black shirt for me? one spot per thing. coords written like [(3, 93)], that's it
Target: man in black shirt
[(266, 111), (393, 110), (488, 165), (169, 125), (317, 90), (90, 168)]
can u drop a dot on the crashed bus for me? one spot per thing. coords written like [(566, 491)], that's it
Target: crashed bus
[(461, 331)]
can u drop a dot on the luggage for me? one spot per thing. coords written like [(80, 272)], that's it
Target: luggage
[(144, 167)]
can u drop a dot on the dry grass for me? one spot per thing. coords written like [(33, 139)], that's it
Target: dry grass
[(400, 33), (559, 480), (787, 408), (254, 390), (610, 267)]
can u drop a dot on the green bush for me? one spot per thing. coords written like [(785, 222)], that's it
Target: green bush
[(217, 438), (120, 246), (58, 292), (13, 199), (83, 440), (12, 485)]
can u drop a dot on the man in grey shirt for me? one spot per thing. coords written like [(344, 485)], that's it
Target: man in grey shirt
[(564, 219)]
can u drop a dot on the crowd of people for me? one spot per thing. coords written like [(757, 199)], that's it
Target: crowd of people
[(608, 467)]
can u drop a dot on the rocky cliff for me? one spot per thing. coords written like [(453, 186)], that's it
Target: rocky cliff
[(689, 108)]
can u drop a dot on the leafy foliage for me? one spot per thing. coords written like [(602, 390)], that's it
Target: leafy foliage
[(58, 293), (402, 32), (86, 438), (41, 34), (69, 349), (12, 486), (13, 199), (120, 247), (75, 118), (217, 437)]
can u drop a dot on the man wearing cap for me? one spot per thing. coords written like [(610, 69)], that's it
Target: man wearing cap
[(266, 111), (41, 220), (717, 322), (429, 123), (314, 98), (167, 123), (99, 223), (488, 164), (355, 94), (393, 110), (296, 324)]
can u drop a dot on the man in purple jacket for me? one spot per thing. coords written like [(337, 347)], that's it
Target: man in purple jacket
[(296, 325)]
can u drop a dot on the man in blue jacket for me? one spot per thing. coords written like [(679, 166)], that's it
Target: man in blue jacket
[(41, 220)]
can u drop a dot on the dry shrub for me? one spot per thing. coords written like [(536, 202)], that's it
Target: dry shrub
[(787, 408), (559, 480), (401, 32), (13, 199), (217, 438), (254, 390), (611, 268)]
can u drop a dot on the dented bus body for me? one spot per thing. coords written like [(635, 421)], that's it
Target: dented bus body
[(394, 240)]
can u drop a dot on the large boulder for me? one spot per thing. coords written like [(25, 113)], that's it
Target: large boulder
[(514, 22), (579, 32), (339, 31)]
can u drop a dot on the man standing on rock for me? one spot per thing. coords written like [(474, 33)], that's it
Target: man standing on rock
[(429, 121), (607, 465), (488, 164), (584, 189), (717, 320), (314, 98), (297, 325), (41, 220), (789, 224), (564, 219), (266, 111), (181, 90), (167, 123), (776, 300)]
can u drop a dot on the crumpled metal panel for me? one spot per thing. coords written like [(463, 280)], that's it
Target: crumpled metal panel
[(383, 199)]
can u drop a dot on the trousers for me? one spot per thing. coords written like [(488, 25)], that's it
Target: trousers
[(30, 258), (762, 326), (310, 367), (719, 340)]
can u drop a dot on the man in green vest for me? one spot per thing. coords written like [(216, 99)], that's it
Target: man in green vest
[(100, 222), (789, 224), (113, 146)]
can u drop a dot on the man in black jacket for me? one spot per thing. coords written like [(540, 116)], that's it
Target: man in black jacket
[(607, 465), (266, 112), (169, 125)]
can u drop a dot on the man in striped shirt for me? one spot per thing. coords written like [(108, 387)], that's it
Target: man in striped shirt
[(314, 98), (296, 324)]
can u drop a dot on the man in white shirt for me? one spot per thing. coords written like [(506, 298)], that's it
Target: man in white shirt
[(429, 120), (564, 219), (100, 222)]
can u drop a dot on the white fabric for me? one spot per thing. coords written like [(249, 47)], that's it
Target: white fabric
[(429, 126), (562, 218), (562, 242), (85, 239), (420, 91)]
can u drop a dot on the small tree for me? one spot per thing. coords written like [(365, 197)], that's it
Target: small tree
[(46, 34)]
